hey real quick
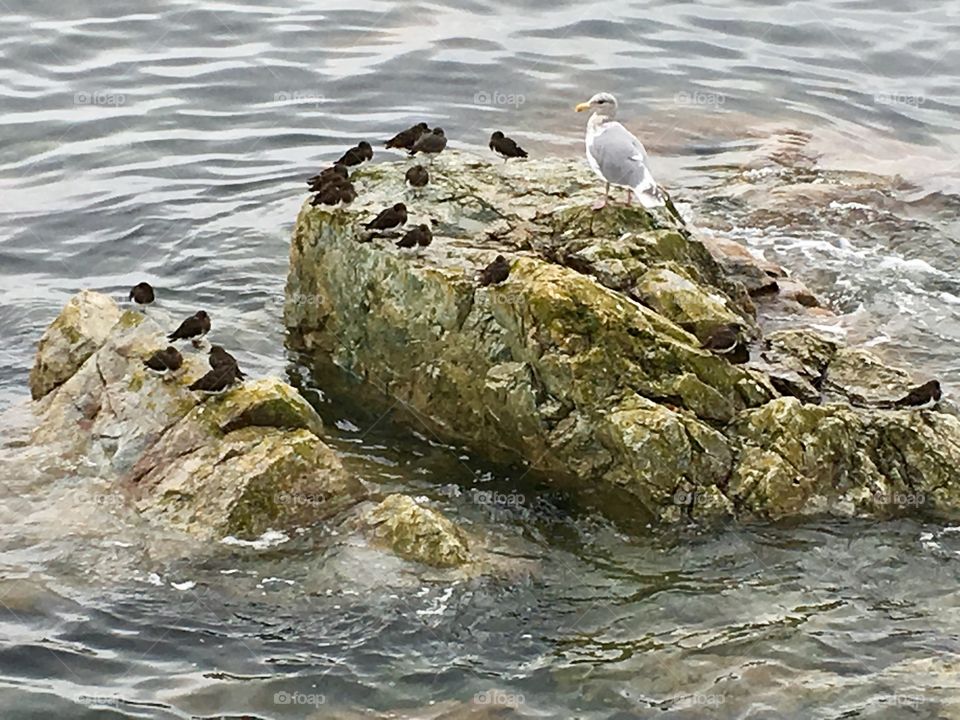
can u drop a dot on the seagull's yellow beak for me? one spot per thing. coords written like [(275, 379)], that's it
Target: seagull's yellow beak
[(582, 106)]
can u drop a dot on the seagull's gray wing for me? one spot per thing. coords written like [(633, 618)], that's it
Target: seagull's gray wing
[(620, 157)]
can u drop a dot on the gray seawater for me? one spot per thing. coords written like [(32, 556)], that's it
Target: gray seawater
[(169, 141)]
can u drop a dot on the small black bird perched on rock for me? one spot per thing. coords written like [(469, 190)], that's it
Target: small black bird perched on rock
[(218, 379), (331, 173), (220, 358), (496, 272), (193, 328), (356, 155), (142, 293), (431, 143), (924, 397), (164, 360), (335, 191), (405, 140), (725, 340), (417, 176), (389, 218), (420, 235), (224, 372), (506, 147)]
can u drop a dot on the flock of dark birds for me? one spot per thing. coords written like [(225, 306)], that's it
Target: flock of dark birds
[(333, 187), (224, 369)]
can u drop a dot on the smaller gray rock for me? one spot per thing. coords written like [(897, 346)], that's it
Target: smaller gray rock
[(78, 331)]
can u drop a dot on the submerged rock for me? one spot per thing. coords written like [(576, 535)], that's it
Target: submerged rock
[(417, 533), (585, 362)]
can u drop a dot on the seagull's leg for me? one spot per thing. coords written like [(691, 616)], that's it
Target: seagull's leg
[(629, 197), (600, 204)]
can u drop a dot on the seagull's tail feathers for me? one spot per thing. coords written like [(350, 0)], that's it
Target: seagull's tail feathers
[(648, 192), (650, 196), (653, 196)]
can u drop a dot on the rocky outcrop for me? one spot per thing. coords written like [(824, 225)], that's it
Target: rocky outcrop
[(227, 464), (796, 459), (586, 362), (554, 365), (236, 463)]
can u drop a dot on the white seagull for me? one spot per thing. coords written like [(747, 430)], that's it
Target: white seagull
[(616, 156)]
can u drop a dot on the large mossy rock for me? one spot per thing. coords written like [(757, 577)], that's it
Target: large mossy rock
[(547, 366), (585, 363)]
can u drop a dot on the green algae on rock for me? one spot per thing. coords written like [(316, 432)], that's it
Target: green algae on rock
[(243, 462), (533, 368), (797, 459), (669, 291), (246, 482)]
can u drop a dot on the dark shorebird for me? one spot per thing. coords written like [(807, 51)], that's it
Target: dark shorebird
[(142, 293), (420, 235), (336, 191), (348, 194), (725, 340), (362, 152), (406, 139), (193, 328), (325, 176), (218, 379), (924, 397), (389, 218), (496, 272), (417, 176), (164, 360), (220, 358), (431, 143), (224, 372), (506, 147)]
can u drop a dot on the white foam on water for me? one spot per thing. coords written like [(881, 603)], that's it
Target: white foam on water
[(895, 262), (439, 604), (270, 538)]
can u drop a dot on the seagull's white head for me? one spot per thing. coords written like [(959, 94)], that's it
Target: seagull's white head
[(603, 104)]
